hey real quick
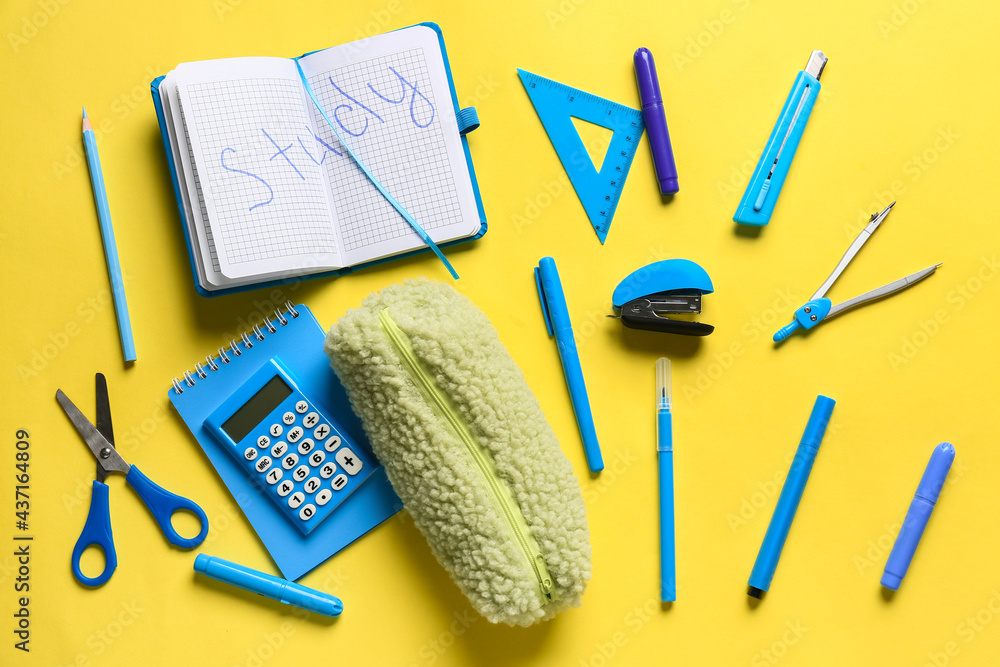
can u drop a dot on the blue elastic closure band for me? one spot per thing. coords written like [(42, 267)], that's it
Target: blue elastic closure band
[(385, 193)]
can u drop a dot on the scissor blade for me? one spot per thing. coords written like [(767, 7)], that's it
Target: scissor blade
[(103, 418), (883, 291), (861, 239), (103, 451)]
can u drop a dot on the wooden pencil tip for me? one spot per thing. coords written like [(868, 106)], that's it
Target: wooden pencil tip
[(86, 123)]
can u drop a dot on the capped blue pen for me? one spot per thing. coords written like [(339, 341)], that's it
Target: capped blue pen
[(556, 315), (276, 588), (788, 501), (918, 515), (665, 462)]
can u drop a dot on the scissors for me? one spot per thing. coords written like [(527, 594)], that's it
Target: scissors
[(161, 503), (819, 308)]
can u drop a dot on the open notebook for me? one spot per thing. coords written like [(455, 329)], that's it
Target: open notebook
[(267, 190)]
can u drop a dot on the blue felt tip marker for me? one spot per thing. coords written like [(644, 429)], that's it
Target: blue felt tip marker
[(550, 293), (762, 191), (917, 516), (665, 462), (282, 590), (788, 501)]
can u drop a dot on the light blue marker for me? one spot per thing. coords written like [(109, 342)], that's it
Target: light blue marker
[(282, 590), (665, 460), (918, 515), (788, 502)]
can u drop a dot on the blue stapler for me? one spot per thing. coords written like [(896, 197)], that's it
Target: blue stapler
[(648, 296)]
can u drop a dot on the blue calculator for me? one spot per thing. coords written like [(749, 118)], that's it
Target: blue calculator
[(300, 456)]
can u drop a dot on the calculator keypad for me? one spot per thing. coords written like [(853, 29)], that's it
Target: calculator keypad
[(303, 463)]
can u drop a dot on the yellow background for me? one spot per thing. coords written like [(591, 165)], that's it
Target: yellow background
[(908, 113)]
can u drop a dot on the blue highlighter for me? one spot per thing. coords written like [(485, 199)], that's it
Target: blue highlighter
[(917, 516), (788, 501)]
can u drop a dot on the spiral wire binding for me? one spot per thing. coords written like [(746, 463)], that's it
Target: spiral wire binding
[(234, 346)]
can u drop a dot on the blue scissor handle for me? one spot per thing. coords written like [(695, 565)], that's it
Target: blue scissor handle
[(96, 533), (162, 504)]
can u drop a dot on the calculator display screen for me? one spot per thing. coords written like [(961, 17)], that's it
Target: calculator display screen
[(257, 408)]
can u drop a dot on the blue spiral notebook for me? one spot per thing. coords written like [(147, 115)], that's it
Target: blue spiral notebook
[(296, 338), (268, 193)]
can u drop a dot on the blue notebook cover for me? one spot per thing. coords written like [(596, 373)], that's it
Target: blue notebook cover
[(299, 344), (462, 115)]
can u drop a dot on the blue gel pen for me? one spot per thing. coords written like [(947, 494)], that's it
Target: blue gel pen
[(550, 293), (282, 590), (762, 191), (788, 501), (917, 516)]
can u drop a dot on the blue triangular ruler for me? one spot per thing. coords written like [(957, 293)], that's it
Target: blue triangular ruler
[(556, 105)]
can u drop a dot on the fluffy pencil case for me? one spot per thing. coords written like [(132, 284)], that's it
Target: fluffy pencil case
[(467, 448)]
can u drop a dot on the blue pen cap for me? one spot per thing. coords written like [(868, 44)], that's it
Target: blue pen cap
[(818, 420), (936, 473)]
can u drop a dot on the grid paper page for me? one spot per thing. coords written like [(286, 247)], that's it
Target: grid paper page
[(386, 105), (201, 195), (271, 209)]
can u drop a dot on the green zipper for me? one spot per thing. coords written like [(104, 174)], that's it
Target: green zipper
[(501, 492)]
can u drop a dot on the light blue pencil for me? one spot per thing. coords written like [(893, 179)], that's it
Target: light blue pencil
[(108, 236), (665, 461)]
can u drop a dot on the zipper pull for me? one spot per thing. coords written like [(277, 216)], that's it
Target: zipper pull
[(544, 579)]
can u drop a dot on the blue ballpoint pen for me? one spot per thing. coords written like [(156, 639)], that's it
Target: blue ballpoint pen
[(282, 590), (665, 459), (788, 501), (550, 293)]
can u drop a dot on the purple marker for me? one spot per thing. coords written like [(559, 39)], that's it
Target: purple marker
[(656, 121)]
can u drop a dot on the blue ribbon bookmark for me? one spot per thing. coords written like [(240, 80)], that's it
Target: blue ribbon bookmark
[(385, 193)]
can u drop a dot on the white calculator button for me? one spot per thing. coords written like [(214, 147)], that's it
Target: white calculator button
[(297, 499), (289, 461), (295, 434), (310, 419), (332, 443), (279, 449), (250, 454), (348, 460), (301, 473), (311, 485), (307, 511), (301, 407), (285, 488), (274, 475), (263, 441), (288, 418), (306, 446), (317, 457), (321, 431), (339, 482), (323, 497), (326, 472), (276, 430), (263, 463)]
